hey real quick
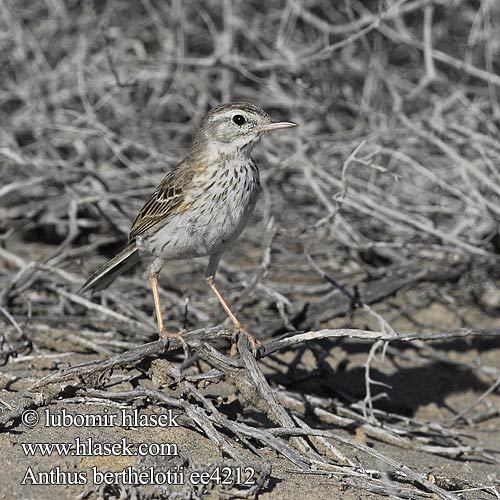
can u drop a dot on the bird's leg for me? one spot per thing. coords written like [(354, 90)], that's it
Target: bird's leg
[(236, 322), (153, 278), (164, 335), (211, 270)]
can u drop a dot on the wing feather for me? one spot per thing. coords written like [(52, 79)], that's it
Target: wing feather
[(168, 199)]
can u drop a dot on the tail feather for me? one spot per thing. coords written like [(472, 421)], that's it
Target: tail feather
[(106, 274)]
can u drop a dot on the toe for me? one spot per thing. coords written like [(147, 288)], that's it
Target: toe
[(238, 326), (164, 336)]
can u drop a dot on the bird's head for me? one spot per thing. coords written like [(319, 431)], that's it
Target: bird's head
[(234, 128)]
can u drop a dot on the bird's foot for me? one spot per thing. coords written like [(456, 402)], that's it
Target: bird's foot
[(254, 343), (166, 336)]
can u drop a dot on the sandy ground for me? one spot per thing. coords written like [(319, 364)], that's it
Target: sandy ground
[(430, 393)]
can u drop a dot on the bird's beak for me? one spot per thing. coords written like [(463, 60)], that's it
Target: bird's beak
[(277, 126)]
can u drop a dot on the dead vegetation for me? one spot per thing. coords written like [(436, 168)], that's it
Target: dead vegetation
[(384, 205)]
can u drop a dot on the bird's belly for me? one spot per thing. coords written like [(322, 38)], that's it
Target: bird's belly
[(205, 229)]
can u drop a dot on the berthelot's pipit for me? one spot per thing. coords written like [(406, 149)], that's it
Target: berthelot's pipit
[(201, 206)]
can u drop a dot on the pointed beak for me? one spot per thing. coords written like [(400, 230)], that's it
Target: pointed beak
[(277, 126)]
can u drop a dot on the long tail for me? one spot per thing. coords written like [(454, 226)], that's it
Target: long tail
[(106, 274)]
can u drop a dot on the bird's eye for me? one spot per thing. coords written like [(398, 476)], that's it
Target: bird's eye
[(239, 119)]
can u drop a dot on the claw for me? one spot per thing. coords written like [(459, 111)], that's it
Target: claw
[(254, 343), (234, 344), (166, 336)]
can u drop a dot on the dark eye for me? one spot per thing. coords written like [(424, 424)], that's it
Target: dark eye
[(239, 119)]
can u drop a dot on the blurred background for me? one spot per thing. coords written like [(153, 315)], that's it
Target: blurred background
[(393, 173)]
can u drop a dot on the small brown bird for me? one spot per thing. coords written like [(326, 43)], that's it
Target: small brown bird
[(201, 206)]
